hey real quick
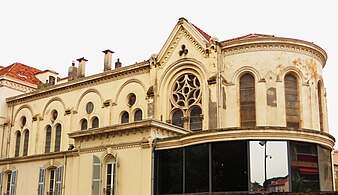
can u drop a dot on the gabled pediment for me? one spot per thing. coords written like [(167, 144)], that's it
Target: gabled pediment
[(184, 32)]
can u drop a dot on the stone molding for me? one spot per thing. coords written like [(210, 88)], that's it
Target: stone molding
[(246, 133), (16, 86), (275, 44)]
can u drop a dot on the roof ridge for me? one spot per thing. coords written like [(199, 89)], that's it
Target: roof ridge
[(204, 34)]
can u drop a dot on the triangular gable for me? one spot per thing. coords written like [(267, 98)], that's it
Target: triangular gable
[(183, 28), (248, 36), (21, 72)]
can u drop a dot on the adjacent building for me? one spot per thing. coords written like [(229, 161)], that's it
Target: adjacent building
[(241, 115)]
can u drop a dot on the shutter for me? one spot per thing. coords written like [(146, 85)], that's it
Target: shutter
[(114, 178), (13, 182), (1, 182), (58, 180), (41, 184), (96, 182)]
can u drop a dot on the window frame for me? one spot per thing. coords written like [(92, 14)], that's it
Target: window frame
[(25, 143), (287, 93), (245, 104)]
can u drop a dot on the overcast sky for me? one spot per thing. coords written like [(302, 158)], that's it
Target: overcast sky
[(51, 34)]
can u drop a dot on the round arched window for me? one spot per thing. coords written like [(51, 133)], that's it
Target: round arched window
[(89, 107), (23, 121)]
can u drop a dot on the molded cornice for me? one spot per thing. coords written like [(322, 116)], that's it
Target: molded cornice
[(275, 44), (107, 76), (253, 133)]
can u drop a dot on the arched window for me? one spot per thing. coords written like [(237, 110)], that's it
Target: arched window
[(247, 100), (320, 105), (84, 124), (195, 119), (138, 115), (25, 143), (17, 143), (57, 144), (291, 101), (110, 175), (125, 117), (95, 122), (48, 138), (177, 118)]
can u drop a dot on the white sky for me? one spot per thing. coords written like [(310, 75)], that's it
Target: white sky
[(50, 34)]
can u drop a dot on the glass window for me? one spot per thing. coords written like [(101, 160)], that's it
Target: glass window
[(51, 181), (138, 115), (325, 169), (95, 122), (291, 101), (84, 124), (96, 183), (23, 121), (247, 100), (51, 80), (177, 118), (57, 145), (125, 117), (89, 107), (25, 143), (17, 143), (196, 119), (54, 115), (320, 106), (131, 99), (48, 138)]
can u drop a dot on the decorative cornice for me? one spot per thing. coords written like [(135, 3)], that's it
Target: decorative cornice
[(247, 133), (275, 44), (16, 86), (182, 32), (107, 76)]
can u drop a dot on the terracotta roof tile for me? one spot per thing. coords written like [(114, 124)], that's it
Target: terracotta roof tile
[(21, 72), (248, 36), (204, 34)]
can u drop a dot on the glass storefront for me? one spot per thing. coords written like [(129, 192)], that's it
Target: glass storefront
[(243, 166)]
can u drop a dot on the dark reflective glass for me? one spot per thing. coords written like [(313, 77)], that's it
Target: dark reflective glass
[(170, 171), (325, 169), (229, 166), (197, 168)]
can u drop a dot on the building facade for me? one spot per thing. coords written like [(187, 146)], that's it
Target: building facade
[(203, 115)]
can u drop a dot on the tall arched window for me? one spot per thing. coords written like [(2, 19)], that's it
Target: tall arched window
[(17, 143), (95, 122), (195, 119), (247, 100), (84, 124), (48, 138), (177, 118), (320, 105), (125, 117), (138, 115), (25, 143), (57, 144), (185, 96), (291, 101)]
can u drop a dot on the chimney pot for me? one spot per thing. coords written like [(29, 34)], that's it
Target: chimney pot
[(82, 67), (107, 59)]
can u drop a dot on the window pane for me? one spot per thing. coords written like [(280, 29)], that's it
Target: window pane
[(17, 144), (277, 179), (304, 167), (95, 122), (48, 138), (320, 106), (195, 119), (84, 124), (229, 166), (125, 117), (197, 168), (57, 138), (291, 101), (138, 115), (247, 100), (177, 118), (325, 169), (25, 144), (170, 171)]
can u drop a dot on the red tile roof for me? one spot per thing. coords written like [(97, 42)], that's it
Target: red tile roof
[(248, 36), (21, 72), (204, 34)]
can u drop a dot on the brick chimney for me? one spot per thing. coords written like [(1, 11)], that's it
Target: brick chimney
[(72, 72), (82, 67), (118, 63), (107, 59)]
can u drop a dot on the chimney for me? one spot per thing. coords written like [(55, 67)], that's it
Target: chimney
[(72, 72), (82, 67), (107, 59), (118, 63)]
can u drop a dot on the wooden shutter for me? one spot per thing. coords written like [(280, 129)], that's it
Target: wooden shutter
[(58, 180), (1, 182), (96, 182), (13, 182), (41, 184)]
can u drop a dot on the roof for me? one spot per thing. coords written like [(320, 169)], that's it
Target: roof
[(21, 72), (204, 34), (248, 36)]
